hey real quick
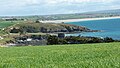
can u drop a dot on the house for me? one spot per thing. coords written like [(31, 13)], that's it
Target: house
[(29, 39)]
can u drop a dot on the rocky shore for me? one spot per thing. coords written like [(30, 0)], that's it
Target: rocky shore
[(48, 28)]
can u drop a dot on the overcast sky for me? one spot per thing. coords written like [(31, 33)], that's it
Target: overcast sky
[(45, 7)]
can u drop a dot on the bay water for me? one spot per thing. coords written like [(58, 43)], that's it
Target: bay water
[(109, 28)]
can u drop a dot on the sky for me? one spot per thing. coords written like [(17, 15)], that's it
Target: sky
[(47, 7)]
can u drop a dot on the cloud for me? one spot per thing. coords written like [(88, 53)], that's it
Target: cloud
[(17, 7), (76, 1)]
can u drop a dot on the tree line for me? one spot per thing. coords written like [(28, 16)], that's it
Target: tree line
[(54, 40)]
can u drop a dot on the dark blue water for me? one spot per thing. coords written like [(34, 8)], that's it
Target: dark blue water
[(110, 28)]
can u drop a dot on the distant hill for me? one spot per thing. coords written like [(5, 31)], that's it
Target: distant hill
[(116, 11), (95, 14)]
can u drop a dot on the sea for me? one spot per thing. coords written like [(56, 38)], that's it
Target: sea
[(108, 27)]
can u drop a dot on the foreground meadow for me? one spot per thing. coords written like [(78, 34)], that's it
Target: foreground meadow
[(103, 55)]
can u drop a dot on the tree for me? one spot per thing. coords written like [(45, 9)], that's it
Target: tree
[(51, 40), (44, 30), (14, 30), (37, 21), (22, 31), (107, 39)]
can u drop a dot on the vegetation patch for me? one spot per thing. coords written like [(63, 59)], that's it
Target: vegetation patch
[(102, 55), (5, 24)]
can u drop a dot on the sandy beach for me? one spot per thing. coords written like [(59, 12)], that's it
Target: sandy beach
[(77, 20)]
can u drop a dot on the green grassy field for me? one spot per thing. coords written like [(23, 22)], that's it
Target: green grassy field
[(4, 24), (102, 55)]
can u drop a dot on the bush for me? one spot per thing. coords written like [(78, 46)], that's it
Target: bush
[(76, 40), (51, 40), (107, 39), (14, 30)]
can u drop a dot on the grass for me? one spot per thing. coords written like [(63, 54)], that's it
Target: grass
[(3, 41), (5, 24), (101, 55)]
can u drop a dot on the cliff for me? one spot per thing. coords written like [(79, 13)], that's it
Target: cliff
[(47, 28)]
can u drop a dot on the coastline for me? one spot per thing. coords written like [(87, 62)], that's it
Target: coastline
[(77, 20)]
